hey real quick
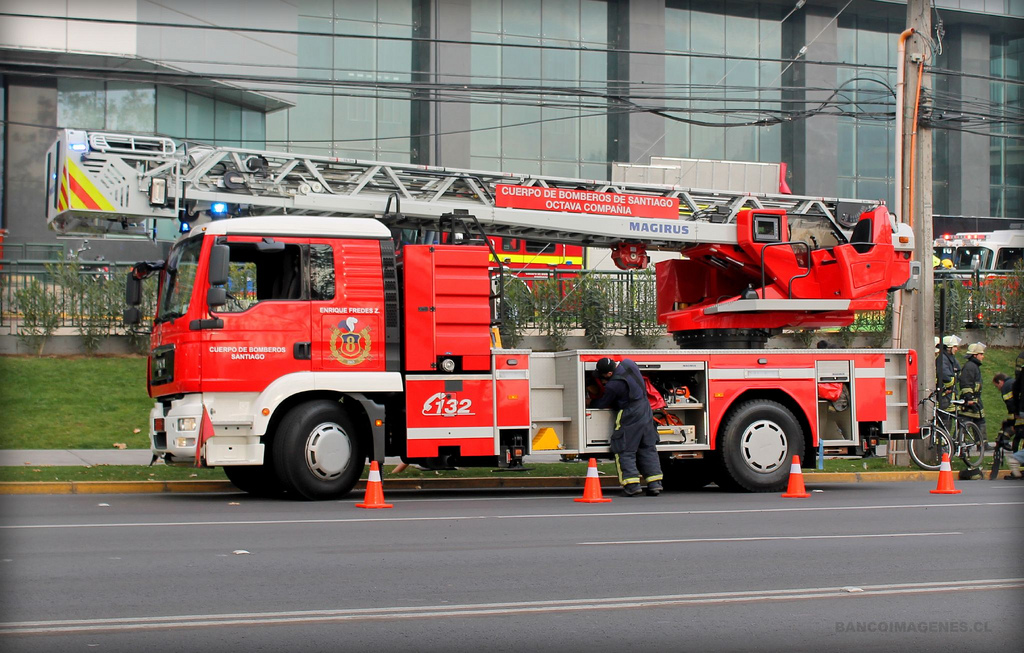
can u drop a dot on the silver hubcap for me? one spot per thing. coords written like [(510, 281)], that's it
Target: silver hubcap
[(764, 446), (328, 451)]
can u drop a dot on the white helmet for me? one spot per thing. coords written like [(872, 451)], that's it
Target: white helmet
[(951, 341), (976, 348)]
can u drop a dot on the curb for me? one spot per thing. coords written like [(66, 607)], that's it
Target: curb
[(484, 483)]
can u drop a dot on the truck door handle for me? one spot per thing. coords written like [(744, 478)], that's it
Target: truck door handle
[(303, 351)]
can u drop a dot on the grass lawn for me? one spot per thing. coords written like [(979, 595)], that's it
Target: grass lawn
[(73, 402)]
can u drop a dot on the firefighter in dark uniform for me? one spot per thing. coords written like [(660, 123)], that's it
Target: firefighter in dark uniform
[(947, 368), (635, 436), (1014, 424), (970, 387)]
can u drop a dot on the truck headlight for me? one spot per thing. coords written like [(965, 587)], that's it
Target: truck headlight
[(186, 423), (184, 443)]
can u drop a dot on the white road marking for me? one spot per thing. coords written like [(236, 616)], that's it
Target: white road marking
[(358, 520), (572, 604), (769, 538)]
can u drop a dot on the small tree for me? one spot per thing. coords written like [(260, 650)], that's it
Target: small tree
[(594, 309), (40, 315), (516, 311), (554, 318)]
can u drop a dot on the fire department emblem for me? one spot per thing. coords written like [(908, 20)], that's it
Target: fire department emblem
[(348, 346)]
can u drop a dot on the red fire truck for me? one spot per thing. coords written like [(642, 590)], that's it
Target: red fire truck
[(292, 343)]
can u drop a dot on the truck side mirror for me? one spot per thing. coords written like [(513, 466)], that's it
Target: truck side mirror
[(133, 289), (131, 316), (219, 260), (216, 296)]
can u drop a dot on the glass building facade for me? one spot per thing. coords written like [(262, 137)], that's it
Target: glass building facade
[(554, 87)]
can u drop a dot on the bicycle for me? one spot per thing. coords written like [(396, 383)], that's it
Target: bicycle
[(1004, 447), (966, 441)]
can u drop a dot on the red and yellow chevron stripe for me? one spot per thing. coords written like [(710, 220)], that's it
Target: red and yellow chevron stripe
[(78, 192)]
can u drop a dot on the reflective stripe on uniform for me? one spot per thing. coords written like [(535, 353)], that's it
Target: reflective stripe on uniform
[(655, 477)]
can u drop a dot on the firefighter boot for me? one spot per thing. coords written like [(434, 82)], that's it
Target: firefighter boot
[(654, 488), (631, 490)]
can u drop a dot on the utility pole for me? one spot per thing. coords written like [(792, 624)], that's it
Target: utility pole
[(914, 325)]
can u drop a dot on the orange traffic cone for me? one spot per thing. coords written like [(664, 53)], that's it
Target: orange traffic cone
[(592, 488), (796, 482), (374, 490), (945, 478)]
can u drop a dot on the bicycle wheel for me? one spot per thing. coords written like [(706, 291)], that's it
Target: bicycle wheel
[(926, 451), (972, 443)]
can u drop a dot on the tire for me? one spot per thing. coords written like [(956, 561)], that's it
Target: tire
[(317, 452), (257, 480), (972, 447), (926, 452), (758, 444), (685, 475)]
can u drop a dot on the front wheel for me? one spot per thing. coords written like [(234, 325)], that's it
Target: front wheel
[(926, 451), (972, 444), (759, 441), (317, 452)]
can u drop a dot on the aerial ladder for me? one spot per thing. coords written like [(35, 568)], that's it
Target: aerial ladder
[(751, 263)]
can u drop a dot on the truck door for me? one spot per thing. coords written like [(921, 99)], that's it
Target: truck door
[(347, 307), (265, 330)]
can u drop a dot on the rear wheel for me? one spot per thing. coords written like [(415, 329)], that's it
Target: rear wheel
[(759, 441), (972, 444), (317, 452)]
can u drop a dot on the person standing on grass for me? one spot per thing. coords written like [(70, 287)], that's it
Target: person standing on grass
[(970, 388)]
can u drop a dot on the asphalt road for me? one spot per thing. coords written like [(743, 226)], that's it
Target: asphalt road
[(857, 567)]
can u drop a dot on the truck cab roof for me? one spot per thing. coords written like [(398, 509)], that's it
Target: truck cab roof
[(296, 225)]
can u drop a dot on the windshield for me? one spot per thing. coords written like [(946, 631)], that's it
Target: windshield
[(178, 278), (965, 257)]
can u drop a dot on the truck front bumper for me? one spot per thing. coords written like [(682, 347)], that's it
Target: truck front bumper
[(174, 435)]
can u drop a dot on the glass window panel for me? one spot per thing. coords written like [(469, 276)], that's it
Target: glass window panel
[(770, 144), (254, 129), (81, 104), (228, 127), (594, 68), (171, 111), (522, 166), (594, 139), (394, 125), (356, 9), (322, 8), (492, 164), (315, 53), (595, 171), (321, 272), (521, 17), (560, 134), (707, 142), (355, 122), (309, 122), (277, 128), (561, 19), (561, 65), (354, 57), (394, 57), (395, 11), (872, 150), (485, 62), (996, 201), (485, 141), (594, 21), (706, 32), (521, 64), (523, 139), (560, 169), (677, 29), (871, 189), (847, 148), (741, 144), (200, 117), (846, 187), (485, 16), (872, 42)]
